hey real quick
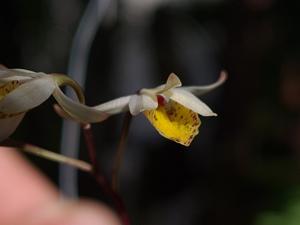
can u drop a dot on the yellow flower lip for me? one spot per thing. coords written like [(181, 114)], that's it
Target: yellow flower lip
[(175, 122)]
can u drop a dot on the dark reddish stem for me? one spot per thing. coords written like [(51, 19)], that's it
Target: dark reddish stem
[(101, 179), (120, 151)]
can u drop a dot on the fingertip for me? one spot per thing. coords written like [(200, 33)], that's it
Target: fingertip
[(75, 213), (90, 213), (22, 188)]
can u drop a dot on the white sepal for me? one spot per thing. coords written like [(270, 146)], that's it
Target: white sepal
[(78, 111), (190, 101), (115, 106), (28, 95), (140, 103), (5, 73), (201, 90)]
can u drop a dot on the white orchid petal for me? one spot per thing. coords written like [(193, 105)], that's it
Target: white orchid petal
[(191, 102), (9, 125), (115, 106), (87, 114), (5, 80), (28, 73), (25, 74), (23, 71), (62, 113), (78, 111), (140, 103), (7, 75), (172, 82), (28, 95), (200, 90)]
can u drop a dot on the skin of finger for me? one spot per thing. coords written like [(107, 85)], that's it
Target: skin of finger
[(28, 198), (22, 188), (74, 213)]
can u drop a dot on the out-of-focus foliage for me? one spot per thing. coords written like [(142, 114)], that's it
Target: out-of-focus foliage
[(287, 213)]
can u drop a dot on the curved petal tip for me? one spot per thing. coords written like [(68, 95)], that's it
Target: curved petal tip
[(173, 81), (223, 76)]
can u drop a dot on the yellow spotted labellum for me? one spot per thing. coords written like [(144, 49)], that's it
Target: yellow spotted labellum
[(175, 122)]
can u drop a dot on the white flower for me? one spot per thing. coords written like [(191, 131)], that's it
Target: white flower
[(173, 110), (22, 90)]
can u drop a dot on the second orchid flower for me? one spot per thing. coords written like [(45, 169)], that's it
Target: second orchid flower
[(173, 110)]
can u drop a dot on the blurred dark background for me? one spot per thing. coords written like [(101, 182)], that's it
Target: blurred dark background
[(243, 167)]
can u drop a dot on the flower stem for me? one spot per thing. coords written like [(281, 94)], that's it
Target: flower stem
[(120, 151), (89, 141), (101, 179), (43, 153)]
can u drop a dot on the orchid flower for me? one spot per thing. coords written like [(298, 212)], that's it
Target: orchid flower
[(22, 90), (173, 110)]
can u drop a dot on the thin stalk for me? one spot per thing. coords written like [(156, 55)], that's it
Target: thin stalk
[(46, 154), (101, 179), (89, 141), (120, 151)]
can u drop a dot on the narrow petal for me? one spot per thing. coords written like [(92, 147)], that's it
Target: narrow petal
[(140, 103), (18, 74), (8, 125), (190, 101), (172, 82), (27, 73), (201, 90), (115, 106), (64, 80), (76, 110), (62, 113), (28, 95), (86, 114)]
